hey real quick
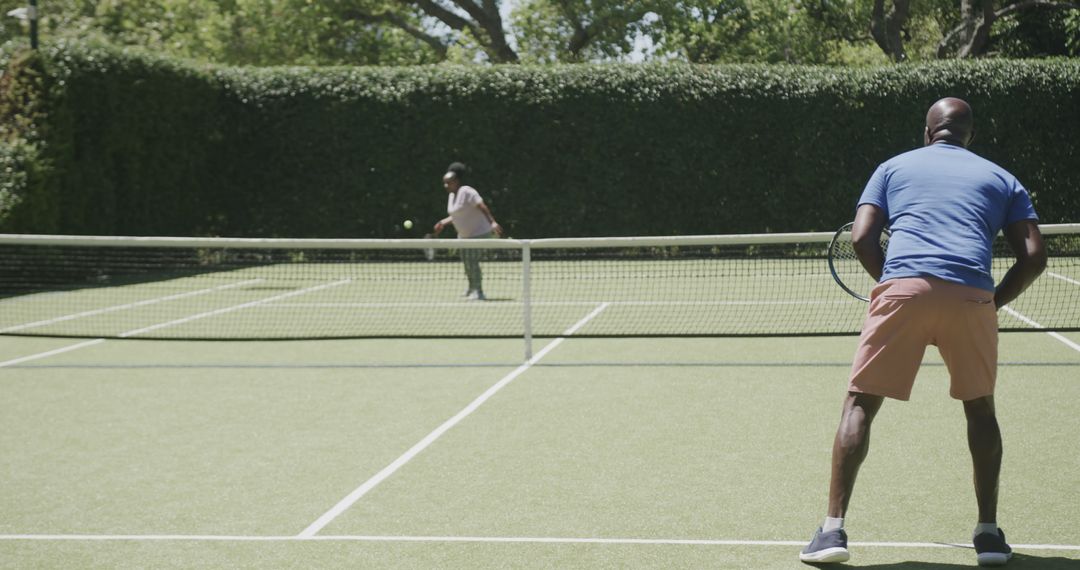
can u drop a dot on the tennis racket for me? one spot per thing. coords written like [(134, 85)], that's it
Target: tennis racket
[(429, 253), (845, 266)]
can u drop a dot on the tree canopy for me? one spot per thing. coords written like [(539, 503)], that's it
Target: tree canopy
[(407, 32)]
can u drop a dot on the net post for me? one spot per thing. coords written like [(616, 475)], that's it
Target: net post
[(526, 296)]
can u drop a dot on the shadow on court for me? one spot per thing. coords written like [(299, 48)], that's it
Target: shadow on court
[(1018, 561)]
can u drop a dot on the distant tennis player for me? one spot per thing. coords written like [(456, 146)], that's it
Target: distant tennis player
[(472, 219), (944, 205)]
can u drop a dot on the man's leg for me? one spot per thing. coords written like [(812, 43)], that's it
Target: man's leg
[(850, 448), (886, 361), (984, 442), (967, 336)]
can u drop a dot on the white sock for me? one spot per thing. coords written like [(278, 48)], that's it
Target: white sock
[(982, 527), (832, 524)]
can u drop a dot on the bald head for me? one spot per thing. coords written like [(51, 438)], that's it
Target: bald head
[(950, 120)]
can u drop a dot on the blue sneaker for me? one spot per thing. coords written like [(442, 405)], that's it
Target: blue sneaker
[(991, 549), (826, 547)]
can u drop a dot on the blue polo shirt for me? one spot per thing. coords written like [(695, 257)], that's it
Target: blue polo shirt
[(945, 204)]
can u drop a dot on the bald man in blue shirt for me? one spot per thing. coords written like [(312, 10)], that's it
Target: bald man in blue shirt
[(943, 205)]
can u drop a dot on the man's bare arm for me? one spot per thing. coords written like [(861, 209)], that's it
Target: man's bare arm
[(866, 238), (1026, 242)]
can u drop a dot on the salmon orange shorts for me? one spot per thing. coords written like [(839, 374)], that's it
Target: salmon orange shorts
[(905, 316)]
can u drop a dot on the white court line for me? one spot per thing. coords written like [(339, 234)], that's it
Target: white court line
[(233, 308), (142, 303), (516, 303), (494, 539), (1057, 336), (389, 470), (168, 324), (1031, 322), (52, 352), (1063, 278)]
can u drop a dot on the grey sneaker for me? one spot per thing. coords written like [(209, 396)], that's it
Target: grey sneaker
[(468, 292), (991, 549), (826, 547), (476, 296)]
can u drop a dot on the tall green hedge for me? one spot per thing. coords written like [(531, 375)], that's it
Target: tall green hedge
[(21, 84), (138, 144)]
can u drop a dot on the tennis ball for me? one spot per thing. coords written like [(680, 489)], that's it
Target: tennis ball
[(407, 225)]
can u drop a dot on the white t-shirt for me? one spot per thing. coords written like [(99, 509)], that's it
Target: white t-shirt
[(464, 209)]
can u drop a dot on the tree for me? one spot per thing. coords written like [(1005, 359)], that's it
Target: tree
[(972, 35), (887, 27), (439, 24), (406, 32), (964, 29), (954, 28), (235, 32), (374, 32), (547, 30), (771, 31), (313, 32), (59, 14), (580, 30)]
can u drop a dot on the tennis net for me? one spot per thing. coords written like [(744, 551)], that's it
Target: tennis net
[(255, 289)]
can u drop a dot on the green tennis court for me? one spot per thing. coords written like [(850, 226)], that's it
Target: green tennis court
[(599, 453)]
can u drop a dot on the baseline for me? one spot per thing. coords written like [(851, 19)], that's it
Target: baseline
[(453, 365), (493, 539)]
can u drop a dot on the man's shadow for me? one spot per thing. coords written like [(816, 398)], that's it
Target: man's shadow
[(1017, 562)]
